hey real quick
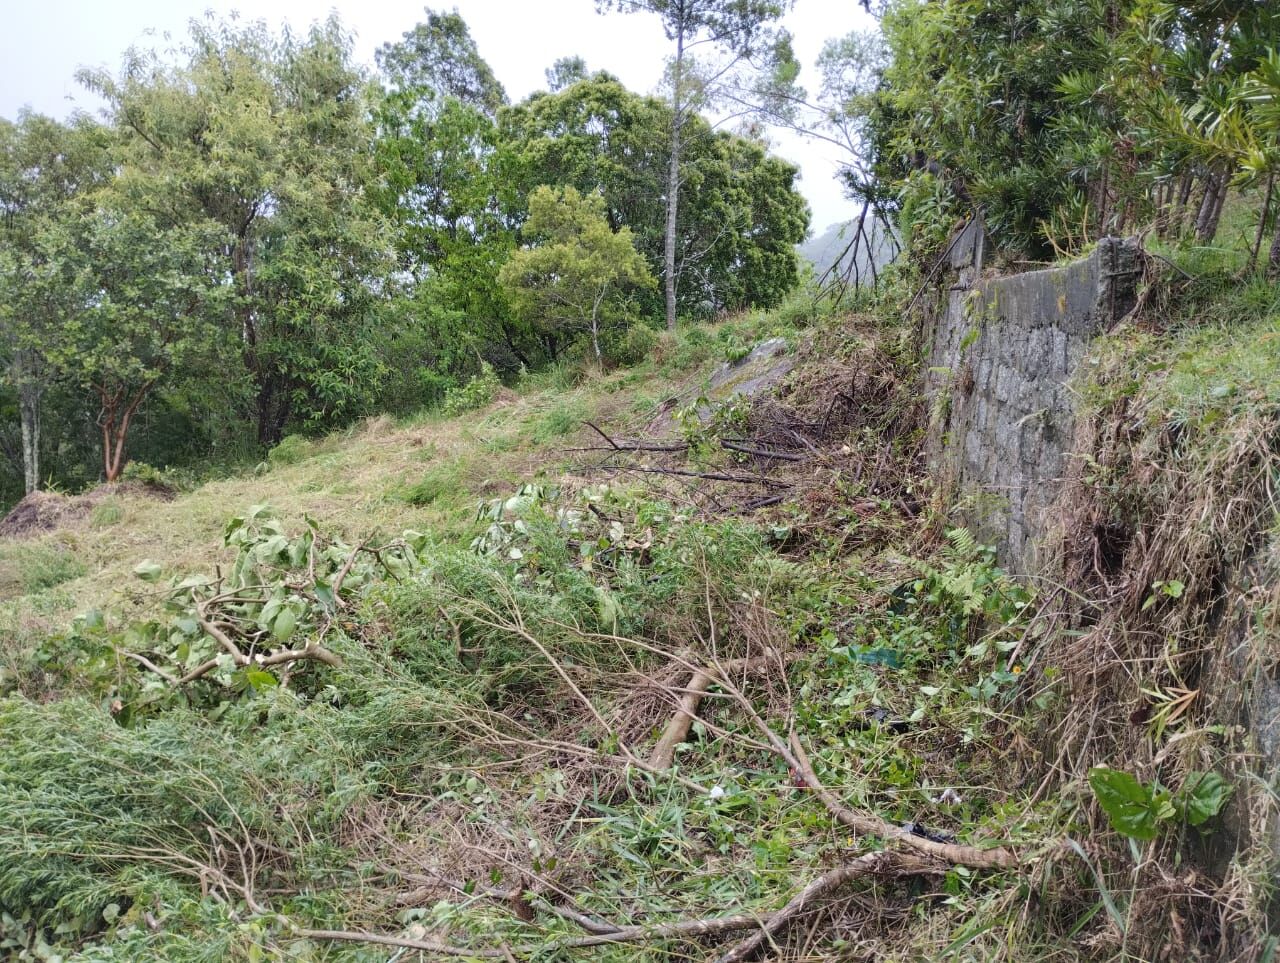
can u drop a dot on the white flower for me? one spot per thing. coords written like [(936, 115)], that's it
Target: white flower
[(717, 792), (949, 797)]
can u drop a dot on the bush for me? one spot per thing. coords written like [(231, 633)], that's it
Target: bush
[(632, 346), (291, 450), (476, 393)]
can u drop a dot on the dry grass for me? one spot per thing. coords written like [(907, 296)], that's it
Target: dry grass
[(353, 483)]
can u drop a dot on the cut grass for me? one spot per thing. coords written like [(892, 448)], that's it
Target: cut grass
[(379, 476)]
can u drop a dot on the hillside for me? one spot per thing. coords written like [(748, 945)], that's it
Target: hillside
[(700, 667), (441, 520)]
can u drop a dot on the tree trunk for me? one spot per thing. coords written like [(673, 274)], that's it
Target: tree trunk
[(29, 415), (595, 329), (673, 182), (1178, 217), (1262, 223), (274, 406), (1215, 192), (1273, 259), (115, 428)]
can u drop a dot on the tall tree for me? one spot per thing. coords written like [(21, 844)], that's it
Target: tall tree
[(269, 138), (566, 72), (441, 57), (46, 171), (732, 28)]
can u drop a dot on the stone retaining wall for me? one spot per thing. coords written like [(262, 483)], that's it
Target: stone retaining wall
[(1002, 352)]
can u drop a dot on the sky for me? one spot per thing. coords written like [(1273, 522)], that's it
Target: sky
[(44, 43)]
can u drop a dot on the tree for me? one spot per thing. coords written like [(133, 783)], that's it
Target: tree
[(269, 138), (441, 57), (566, 72), (741, 207), (46, 170), (733, 26), (573, 279), (155, 297), (437, 151)]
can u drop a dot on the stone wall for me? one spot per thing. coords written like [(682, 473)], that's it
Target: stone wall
[(1002, 353)]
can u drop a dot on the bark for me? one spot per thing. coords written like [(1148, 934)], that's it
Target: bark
[(673, 182), (1273, 259), (1177, 218), (1215, 192), (595, 328), (115, 418), (1262, 224), (29, 415)]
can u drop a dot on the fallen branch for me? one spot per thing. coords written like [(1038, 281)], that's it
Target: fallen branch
[(678, 728), (868, 865), (711, 476), (768, 924), (865, 824)]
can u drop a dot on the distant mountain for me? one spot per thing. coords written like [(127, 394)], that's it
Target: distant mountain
[(823, 250)]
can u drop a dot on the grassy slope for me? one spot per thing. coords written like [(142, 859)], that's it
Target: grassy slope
[(379, 477), (413, 753)]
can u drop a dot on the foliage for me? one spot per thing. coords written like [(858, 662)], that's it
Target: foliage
[(575, 277), (280, 169), (1092, 113), (739, 219), (1140, 810), (438, 58), (479, 391)]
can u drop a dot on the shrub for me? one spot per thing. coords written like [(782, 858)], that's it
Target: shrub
[(476, 393), (291, 450), (632, 346)]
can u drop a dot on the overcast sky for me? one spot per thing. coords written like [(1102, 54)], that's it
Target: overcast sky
[(43, 43)]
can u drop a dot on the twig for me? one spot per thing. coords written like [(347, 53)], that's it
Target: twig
[(867, 865), (336, 585), (594, 427)]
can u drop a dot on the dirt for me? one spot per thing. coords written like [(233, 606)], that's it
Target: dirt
[(42, 512)]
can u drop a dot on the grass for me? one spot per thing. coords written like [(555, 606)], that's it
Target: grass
[(378, 476), (497, 698)]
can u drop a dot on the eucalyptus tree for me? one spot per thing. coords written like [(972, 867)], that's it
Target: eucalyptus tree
[(735, 30), (267, 138)]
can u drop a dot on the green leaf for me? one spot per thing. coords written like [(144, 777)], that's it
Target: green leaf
[(260, 678), (284, 625), (1203, 795), (1133, 808), (148, 570)]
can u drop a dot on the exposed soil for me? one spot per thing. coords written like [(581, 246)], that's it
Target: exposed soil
[(42, 512)]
